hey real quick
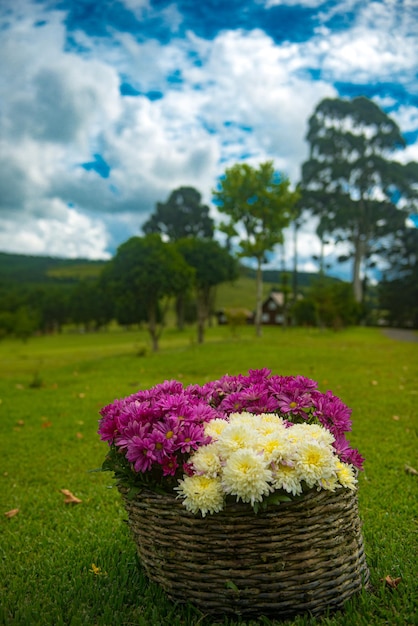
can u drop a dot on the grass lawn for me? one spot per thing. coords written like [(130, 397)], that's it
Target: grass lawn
[(76, 564)]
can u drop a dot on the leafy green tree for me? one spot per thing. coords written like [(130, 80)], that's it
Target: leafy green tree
[(213, 265), (259, 204), (182, 215), (296, 224), (52, 303), (328, 304), (6, 323), (89, 306), (152, 271), (350, 182), (25, 323), (398, 292)]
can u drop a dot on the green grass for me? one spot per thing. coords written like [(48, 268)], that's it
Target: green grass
[(51, 390)]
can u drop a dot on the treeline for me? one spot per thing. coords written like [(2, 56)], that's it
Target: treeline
[(91, 304)]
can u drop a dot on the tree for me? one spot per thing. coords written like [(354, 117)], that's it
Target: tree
[(152, 271), (297, 223), (259, 204), (53, 303), (89, 305), (25, 323), (213, 265), (349, 181), (398, 292), (183, 215)]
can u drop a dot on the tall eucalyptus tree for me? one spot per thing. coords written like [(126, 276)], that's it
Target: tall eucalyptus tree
[(354, 180)]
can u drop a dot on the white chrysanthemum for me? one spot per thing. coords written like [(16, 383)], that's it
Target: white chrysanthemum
[(215, 427), (315, 462), (312, 431), (244, 418), (346, 475), (297, 433), (236, 436), (270, 423), (247, 476), (201, 493), (330, 484), (275, 446), (287, 477), (206, 460)]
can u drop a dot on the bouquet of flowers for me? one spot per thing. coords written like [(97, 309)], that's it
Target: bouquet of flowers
[(257, 438)]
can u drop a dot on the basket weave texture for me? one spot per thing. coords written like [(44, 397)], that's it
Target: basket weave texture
[(302, 556)]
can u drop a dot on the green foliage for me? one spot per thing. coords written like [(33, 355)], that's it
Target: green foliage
[(6, 323), (258, 200), (330, 305), (151, 271), (25, 323), (90, 306), (259, 203), (212, 266), (349, 181), (183, 215), (49, 548), (398, 292)]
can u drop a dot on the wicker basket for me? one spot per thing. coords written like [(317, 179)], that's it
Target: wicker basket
[(301, 556)]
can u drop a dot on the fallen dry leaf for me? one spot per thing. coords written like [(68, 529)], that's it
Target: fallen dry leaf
[(391, 582), (374, 383), (20, 423), (70, 498), (97, 570), (396, 418), (47, 424), (411, 470), (11, 513), (79, 435)]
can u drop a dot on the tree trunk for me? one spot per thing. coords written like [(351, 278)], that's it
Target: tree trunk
[(180, 305), (152, 328), (259, 301), (295, 261), (202, 308), (359, 251)]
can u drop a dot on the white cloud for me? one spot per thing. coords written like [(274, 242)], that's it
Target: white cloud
[(76, 236), (380, 45), (302, 3)]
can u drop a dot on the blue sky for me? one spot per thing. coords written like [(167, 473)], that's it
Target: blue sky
[(107, 106)]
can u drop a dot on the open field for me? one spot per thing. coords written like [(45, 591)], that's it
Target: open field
[(76, 565)]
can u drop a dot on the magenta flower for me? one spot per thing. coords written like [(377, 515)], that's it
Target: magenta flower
[(170, 465), (293, 401), (331, 412), (140, 452), (191, 437)]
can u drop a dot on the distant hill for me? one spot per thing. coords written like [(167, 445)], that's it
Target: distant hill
[(22, 269), (19, 268), (242, 292), (275, 277)]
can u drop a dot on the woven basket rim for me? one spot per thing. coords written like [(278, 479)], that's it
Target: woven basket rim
[(307, 498)]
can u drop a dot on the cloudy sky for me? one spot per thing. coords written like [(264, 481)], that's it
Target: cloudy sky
[(106, 106)]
